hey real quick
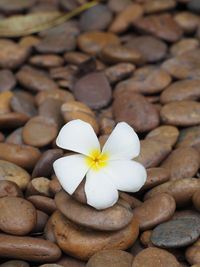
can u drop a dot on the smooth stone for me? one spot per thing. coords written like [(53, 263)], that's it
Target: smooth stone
[(12, 55), (181, 90), (93, 42), (192, 253), (24, 156), (94, 90), (28, 248), (181, 113), (184, 66), (38, 186), (182, 162), (115, 53), (119, 71), (12, 120), (15, 137), (145, 81), (41, 221), (118, 5), (196, 200), (43, 167), (188, 21), (156, 6), (183, 46), (111, 219), (182, 190), (154, 211), (93, 241), (166, 134), (136, 111), (5, 102), (95, 18), (156, 176), (15, 263), (43, 203), (155, 257), (152, 152), (66, 261), (7, 80), (17, 215), (111, 258), (150, 47), (189, 136), (175, 233), (13, 6), (9, 189), (34, 80), (46, 61), (11, 172), (75, 57), (162, 26), (39, 131)]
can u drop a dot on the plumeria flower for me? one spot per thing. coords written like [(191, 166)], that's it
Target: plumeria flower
[(106, 171)]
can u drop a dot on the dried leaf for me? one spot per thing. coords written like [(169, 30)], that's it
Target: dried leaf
[(22, 25)]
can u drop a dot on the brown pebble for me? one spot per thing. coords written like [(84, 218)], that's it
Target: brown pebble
[(46, 61), (9, 189), (192, 253), (145, 238), (41, 221), (156, 176), (15, 263), (154, 6), (184, 45), (1, 137), (38, 186), (15, 137), (43, 203), (12, 120), (67, 261), (55, 186), (7, 80), (188, 21), (119, 71), (5, 101)]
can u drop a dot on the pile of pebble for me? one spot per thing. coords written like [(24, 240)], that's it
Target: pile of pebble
[(122, 60)]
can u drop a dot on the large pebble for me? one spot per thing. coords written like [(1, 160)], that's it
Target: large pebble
[(181, 113), (12, 120), (11, 172), (7, 80), (17, 215), (111, 258), (28, 248), (111, 219), (154, 211), (189, 136), (192, 253), (175, 233), (71, 237), (156, 176), (8, 188), (43, 203)]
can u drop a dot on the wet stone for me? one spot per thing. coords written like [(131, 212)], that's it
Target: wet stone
[(155, 257), (150, 47), (156, 176), (175, 233), (162, 26), (111, 258), (181, 113), (136, 111), (7, 80), (111, 219), (96, 18), (93, 89), (189, 137), (154, 211)]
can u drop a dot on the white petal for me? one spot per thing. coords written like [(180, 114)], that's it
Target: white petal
[(123, 143), (127, 175), (100, 191), (78, 136), (70, 171)]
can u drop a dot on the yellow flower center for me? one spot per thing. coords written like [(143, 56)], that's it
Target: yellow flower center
[(97, 160)]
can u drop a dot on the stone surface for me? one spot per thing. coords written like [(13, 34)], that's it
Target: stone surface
[(7, 80), (192, 253), (154, 6), (8, 188), (154, 211), (16, 263), (156, 176), (111, 219), (189, 137), (188, 21), (12, 120), (184, 45), (196, 200), (43, 203), (175, 233), (46, 61)]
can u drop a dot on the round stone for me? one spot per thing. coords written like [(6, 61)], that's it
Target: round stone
[(111, 258), (111, 219), (181, 113), (175, 233), (17, 215), (150, 47), (189, 136), (154, 211), (155, 257), (43, 203), (93, 89), (71, 237), (156, 176), (46, 61), (184, 45), (188, 21), (7, 80), (119, 71), (8, 188), (136, 111)]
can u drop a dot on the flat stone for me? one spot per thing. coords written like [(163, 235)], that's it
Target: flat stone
[(93, 241), (156, 6), (111, 258), (189, 136), (12, 120), (183, 46), (181, 90), (154, 211), (162, 26), (46, 61), (13, 6), (16, 263), (175, 233), (7, 80), (119, 71), (95, 18), (150, 47), (156, 176), (111, 219), (43, 203), (182, 162), (12, 172), (182, 190), (181, 113), (93, 42), (136, 111), (17, 215), (187, 214), (188, 21), (155, 257), (28, 248), (192, 253), (93, 89), (8, 188)]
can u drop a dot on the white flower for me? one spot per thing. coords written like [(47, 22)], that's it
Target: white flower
[(107, 171)]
